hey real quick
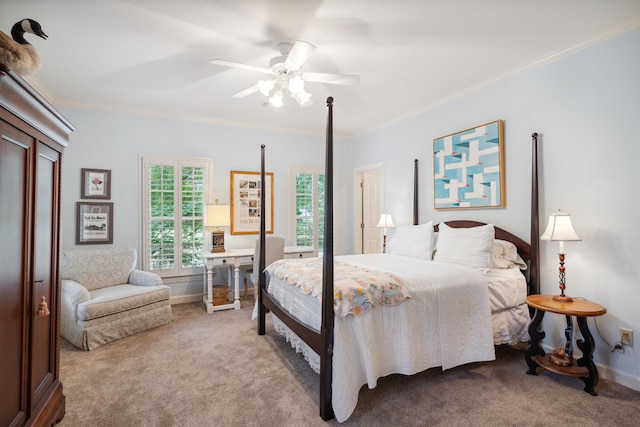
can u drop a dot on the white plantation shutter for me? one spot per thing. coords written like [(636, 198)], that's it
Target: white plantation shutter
[(174, 190), (308, 196)]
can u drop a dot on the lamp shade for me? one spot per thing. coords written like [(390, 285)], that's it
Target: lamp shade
[(218, 216), (385, 221), (560, 228)]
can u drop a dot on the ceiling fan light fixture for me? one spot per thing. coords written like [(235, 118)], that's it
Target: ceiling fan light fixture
[(286, 75), (265, 87), (276, 99)]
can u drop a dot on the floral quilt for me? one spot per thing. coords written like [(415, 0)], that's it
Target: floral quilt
[(356, 289)]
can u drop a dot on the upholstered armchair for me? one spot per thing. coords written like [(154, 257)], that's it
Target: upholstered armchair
[(104, 298)]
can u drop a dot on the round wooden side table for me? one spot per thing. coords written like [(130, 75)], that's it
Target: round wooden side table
[(536, 357)]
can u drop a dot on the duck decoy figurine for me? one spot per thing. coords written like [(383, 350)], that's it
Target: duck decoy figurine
[(17, 53)]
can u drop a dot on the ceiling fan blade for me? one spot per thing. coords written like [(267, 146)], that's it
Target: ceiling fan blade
[(242, 66), (246, 92), (334, 79), (300, 52)]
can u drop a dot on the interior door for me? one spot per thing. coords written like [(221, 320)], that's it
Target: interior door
[(368, 211)]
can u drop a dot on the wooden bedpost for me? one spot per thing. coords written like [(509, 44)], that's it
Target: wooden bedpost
[(261, 262), (416, 219), (534, 266), (326, 332)]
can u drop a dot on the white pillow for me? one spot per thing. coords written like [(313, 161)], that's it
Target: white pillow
[(504, 254), (413, 241), (466, 246)]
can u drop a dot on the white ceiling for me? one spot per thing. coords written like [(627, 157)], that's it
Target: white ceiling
[(152, 57)]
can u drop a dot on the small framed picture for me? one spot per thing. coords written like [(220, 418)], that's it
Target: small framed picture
[(96, 184), (94, 223)]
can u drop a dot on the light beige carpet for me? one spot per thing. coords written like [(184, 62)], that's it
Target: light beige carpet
[(214, 370)]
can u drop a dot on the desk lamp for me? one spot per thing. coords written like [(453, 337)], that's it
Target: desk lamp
[(217, 216)]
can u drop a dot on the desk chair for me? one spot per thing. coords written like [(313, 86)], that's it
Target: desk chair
[(274, 252)]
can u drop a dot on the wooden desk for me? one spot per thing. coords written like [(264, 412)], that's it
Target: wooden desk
[(535, 356), (236, 258)]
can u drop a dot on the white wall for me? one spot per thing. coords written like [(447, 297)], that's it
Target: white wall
[(108, 140), (586, 107)]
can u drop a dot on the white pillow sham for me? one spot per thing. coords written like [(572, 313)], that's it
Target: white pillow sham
[(466, 246), (504, 254), (413, 241)]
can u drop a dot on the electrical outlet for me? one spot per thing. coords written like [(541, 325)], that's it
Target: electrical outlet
[(626, 336)]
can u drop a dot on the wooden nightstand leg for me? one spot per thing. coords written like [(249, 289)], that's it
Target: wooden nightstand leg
[(568, 334), (587, 345), (536, 334)]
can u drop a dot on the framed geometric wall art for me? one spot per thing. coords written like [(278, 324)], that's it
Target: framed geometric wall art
[(468, 168)]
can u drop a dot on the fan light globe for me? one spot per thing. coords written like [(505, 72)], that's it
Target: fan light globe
[(296, 85), (276, 99), (302, 97), (265, 87)]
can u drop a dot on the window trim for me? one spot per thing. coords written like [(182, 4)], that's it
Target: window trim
[(146, 160)]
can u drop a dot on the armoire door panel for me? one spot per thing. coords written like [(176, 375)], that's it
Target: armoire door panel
[(14, 164), (43, 326)]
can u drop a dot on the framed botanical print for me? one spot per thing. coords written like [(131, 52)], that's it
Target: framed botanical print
[(94, 223), (246, 196), (468, 168), (96, 184)]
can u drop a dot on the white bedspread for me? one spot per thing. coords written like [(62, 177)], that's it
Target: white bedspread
[(446, 322)]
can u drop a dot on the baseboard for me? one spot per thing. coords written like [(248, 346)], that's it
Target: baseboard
[(185, 299), (618, 377)]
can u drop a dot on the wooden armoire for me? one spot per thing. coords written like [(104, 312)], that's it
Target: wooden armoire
[(34, 135)]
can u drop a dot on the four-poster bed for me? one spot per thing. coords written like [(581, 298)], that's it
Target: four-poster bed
[(402, 317)]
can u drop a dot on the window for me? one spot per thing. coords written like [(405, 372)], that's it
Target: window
[(173, 213), (309, 208)]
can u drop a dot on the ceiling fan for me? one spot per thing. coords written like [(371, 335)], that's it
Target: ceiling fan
[(287, 75)]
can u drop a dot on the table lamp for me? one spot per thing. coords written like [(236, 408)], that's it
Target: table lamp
[(217, 216), (561, 230), (385, 222)]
